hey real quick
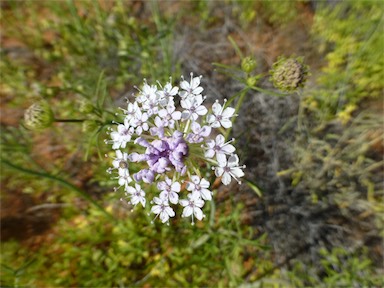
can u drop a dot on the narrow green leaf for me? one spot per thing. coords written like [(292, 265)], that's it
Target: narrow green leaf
[(254, 187)]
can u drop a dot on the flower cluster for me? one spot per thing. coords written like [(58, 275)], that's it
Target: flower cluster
[(173, 135), (289, 74)]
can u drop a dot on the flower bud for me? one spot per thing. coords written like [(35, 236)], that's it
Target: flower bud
[(89, 126), (289, 74), (39, 116), (252, 81), (248, 64), (86, 106)]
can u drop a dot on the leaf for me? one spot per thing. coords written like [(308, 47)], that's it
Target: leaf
[(200, 241), (254, 187), (100, 91)]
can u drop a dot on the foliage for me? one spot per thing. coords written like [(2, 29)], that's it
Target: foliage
[(82, 58), (78, 41), (351, 34), (342, 167), (90, 250), (341, 268)]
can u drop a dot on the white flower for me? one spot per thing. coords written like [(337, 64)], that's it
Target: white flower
[(199, 187), (220, 148), (159, 129), (146, 93), (122, 135), (199, 133), (137, 195), (132, 108), (140, 122), (169, 116), (162, 209), (166, 95), (229, 168), (220, 116), (191, 88), (193, 107), (151, 104), (124, 178), (169, 190), (192, 206), (121, 160)]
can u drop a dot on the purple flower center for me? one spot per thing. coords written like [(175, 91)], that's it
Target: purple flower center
[(166, 153)]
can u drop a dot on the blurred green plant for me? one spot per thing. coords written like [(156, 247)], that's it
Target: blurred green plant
[(341, 268), (269, 11), (342, 166), (90, 250), (351, 35)]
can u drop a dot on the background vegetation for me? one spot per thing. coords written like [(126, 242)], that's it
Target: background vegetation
[(312, 212)]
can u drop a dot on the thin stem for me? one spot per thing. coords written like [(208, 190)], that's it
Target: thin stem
[(237, 108), (300, 113), (70, 120)]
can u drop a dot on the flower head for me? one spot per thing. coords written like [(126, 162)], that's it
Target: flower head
[(38, 116), (289, 74), (169, 144)]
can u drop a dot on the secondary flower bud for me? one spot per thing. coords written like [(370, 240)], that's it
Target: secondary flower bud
[(248, 64), (38, 116), (289, 74)]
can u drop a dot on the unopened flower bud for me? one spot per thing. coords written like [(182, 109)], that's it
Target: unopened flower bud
[(289, 74), (251, 81), (86, 106), (38, 116), (248, 64), (89, 126)]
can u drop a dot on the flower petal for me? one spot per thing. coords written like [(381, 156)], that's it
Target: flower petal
[(187, 211), (216, 108), (226, 178), (198, 213), (228, 112)]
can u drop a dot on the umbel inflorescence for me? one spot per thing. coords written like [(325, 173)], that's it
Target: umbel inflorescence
[(175, 138)]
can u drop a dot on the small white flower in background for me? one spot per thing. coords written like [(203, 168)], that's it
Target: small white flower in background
[(200, 187), (199, 133), (169, 144), (122, 136), (169, 190), (140, 122), (192, 207), (162, 209), (167, 94), (169, 116), (228, 169), (136, 194), (220, 148), (132, 108), (194, 107), (192, 88), (124, 178), (221, 116), (121, 160)]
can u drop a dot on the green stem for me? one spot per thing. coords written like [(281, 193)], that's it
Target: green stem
[(70, 120), (237, 108), (300, 113), (60, 181)]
